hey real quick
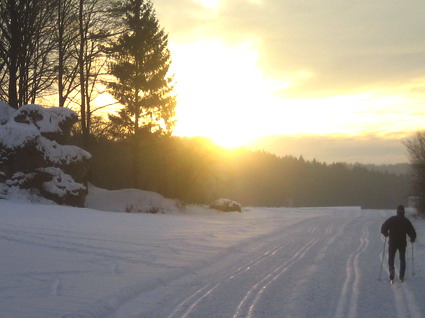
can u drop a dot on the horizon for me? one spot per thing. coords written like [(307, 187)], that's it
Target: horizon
[(388, 150), (253, 70)]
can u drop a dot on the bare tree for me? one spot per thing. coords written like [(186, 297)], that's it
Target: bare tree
[(26, 46), (67, 43), (416, 149), (53, 47), (93, 30)]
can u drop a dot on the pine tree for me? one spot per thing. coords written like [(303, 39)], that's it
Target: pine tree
[(141, 61), (140, 64)]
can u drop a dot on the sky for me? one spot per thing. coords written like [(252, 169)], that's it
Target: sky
[(348, 73)]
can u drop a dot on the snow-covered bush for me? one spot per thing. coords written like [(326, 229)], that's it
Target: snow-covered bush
[(226, 205), (32, 156), (130, 201)]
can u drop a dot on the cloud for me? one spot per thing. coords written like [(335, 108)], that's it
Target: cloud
[(347, 45), (370, 149), (353, 67)]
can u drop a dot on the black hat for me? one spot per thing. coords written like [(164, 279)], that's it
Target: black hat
[(400, 210)]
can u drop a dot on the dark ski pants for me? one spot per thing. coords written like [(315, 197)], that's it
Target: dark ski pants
[(392, 249)]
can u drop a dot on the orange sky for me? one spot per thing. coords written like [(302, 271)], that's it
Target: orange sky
[(253, 68)]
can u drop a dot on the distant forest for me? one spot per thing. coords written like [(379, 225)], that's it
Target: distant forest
[(196, 171)]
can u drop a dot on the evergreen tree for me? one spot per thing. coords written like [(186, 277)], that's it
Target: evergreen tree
[(141, 61), (140, 64)]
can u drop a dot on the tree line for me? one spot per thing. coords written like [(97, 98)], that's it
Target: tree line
[(195, 170)]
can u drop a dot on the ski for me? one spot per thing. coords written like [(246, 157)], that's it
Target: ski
[(393, 281)]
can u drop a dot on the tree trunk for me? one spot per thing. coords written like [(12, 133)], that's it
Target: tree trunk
[(13, 56), (136, 145), (61, 55), (82, 72)]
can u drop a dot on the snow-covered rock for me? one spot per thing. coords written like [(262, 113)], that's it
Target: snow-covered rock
[(226, 205), (53, 123), (32, 156)]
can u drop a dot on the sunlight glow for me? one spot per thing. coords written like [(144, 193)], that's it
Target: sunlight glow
[(209, 4), (224, 95)]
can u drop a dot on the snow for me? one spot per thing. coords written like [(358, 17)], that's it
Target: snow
[(61, 183), (61, 154), (50, 120), (14, 134), (226, 205), (129, 200), (58, 261), (5, 112), (17, 194)]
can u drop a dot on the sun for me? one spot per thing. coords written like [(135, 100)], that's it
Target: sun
[(230, 139), (222, 93)]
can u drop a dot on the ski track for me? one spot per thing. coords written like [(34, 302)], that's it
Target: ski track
[(246, 307), (347, 304), (252, 297), (404, 299), (123, 252), (248, 303), (186, 306), (193, 300), (197, 290)]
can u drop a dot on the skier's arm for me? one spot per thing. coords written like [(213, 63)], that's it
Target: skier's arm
[(411, 232), (385, 228)]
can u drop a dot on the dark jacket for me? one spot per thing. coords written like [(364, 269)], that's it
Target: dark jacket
[(397, 227)]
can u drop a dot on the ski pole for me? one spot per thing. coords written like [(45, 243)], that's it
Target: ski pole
[(382, 262), (413, 262)]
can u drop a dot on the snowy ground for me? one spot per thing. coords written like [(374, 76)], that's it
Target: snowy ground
[(64, 262)]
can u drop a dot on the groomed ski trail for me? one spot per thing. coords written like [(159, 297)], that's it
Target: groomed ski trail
[(324, 266), (251, 298), (347, 304)]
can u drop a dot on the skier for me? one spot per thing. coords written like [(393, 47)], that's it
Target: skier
[(397, 227)]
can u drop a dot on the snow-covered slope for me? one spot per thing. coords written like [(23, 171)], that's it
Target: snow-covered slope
[(58, 261)]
